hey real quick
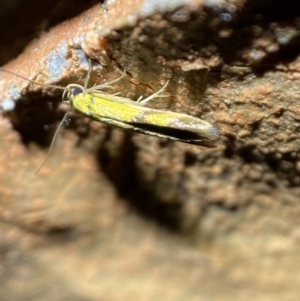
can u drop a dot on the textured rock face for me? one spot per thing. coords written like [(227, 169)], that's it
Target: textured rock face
[(121, 216)]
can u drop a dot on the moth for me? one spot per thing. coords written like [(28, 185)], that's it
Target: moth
[(125, 113), (128, 114)]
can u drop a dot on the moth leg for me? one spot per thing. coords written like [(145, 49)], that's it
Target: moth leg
[(140, 98), (156, 94), (86, 81), (98, 87), (105, 85)]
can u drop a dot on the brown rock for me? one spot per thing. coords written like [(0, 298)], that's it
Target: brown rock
[(92, 224)]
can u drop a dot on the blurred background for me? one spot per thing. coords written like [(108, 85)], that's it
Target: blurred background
[(115, 215)]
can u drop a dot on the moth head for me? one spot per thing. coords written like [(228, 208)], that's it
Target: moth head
[(71, 91)]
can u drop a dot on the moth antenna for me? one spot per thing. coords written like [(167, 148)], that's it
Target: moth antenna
[(30, 80), (53, 140)]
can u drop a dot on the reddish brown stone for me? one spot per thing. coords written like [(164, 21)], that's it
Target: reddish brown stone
[(92, 224)]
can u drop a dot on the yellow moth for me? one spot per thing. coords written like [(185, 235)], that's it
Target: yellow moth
[(134, 115)]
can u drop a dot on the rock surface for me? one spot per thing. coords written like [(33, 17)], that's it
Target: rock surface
[(119, 216)]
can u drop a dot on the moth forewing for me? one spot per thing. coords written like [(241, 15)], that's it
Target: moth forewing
[(180, 127), (108, 106), (126, 113)]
